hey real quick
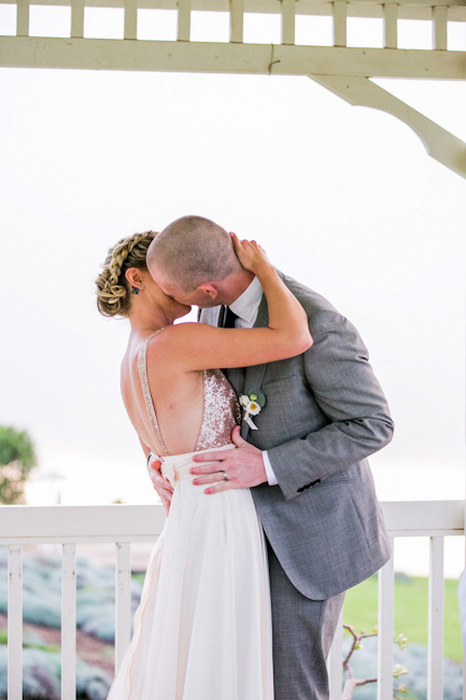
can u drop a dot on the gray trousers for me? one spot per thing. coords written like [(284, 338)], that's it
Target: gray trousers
[(303, 632)]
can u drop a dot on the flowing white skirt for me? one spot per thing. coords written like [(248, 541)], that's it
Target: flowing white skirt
[(203, 628)]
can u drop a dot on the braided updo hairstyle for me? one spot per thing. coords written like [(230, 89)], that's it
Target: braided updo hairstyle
[(113, 293)]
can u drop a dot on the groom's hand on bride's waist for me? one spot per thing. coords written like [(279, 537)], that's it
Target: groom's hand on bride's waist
[(162, 486), (230, 469)]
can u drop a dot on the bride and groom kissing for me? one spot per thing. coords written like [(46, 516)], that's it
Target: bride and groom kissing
[(272, 511)]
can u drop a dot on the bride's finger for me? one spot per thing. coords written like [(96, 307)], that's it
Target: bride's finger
[(222, 486)]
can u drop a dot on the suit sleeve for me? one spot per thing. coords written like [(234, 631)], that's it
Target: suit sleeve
[(342, 382)]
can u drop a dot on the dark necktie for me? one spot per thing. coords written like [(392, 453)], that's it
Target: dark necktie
[(227, 317)]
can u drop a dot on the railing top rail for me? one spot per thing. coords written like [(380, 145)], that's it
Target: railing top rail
[(133, 523), (424, 517)]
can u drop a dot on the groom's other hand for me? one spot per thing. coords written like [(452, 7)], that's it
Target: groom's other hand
[(162, 486), (244, 467)]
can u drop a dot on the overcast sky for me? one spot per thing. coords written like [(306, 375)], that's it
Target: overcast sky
[(343, 198)]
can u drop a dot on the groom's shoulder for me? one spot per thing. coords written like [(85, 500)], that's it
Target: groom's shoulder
[(321, 312)]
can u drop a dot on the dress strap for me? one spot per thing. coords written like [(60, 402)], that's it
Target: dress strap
[(142, 366)]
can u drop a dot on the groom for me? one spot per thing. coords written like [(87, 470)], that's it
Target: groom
[(324, 414)]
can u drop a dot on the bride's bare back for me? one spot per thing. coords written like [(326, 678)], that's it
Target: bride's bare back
[(173, 411)]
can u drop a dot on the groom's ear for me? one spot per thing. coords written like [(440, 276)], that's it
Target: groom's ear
[(209, 290)]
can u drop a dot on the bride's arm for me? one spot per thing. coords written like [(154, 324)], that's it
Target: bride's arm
[(194, 346)]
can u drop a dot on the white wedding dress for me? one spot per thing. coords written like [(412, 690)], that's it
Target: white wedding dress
[(203, 628)]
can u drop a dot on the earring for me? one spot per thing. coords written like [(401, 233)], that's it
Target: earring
[(134, 290)]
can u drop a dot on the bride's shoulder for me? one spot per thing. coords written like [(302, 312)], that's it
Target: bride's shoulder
[(174, 332), (170, 337), (180, 340)]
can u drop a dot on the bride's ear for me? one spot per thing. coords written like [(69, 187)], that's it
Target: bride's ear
[(209, 290), (134, 277)]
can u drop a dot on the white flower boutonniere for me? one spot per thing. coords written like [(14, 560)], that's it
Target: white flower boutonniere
[(253, 402)]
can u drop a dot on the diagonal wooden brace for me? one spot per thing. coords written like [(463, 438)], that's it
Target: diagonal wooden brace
[(439, 143)]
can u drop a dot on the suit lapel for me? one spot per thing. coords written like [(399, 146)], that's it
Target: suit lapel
[(254, 375)]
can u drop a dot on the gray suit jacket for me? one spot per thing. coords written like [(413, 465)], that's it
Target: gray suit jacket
[(325, 413)]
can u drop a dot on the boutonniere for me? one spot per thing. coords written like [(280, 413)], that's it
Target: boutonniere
[(252, 404)]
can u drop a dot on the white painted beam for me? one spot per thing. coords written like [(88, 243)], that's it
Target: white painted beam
[(15, 622), (199, 57), (436, 617), (184, 20), (68, 623), (439, 143), (131, 523), (339, 23), (414, 9), (77, 19), (386, 630), (390, 26), (22, 18), (112, 523), (236, 21), (439, 22), (288, 21), (131, 19)]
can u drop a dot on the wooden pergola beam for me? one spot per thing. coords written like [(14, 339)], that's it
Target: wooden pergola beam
[(439, 143), (202, 57), (414, 9)]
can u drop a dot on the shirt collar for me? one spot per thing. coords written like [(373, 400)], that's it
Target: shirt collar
[(247, 304)]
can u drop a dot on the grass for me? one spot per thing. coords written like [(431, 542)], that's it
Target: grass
[(411, 593)]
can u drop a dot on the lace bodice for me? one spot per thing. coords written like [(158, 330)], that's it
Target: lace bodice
[(221, 410)]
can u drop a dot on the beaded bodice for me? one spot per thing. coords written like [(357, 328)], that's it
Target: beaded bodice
[(221, 410)]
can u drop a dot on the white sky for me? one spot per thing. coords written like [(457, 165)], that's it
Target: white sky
[(344, 199)]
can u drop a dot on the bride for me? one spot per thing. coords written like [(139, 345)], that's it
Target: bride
[(202, 630)]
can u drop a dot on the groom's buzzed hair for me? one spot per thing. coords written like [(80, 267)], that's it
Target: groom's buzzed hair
[(193, 250)]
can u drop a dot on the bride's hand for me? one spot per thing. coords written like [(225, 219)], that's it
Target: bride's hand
[(250, 254)]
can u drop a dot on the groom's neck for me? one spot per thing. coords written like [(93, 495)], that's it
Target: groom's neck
[(234, 285)]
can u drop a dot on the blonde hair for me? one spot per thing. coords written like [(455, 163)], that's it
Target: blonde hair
[(113, 294)]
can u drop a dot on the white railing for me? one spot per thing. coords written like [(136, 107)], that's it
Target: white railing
[(124, 524)]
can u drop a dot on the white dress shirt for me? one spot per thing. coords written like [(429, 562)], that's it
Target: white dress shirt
[(246, 307)]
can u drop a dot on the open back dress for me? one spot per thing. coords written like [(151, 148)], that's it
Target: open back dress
[(203, 629)]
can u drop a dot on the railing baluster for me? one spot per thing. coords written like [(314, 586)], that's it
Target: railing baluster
[(288, 21), (77, 19), (236, 21), (463, 633), (386, 629), (15, 623), (131, 19), (439, 21), (68, 623), (184, 20), (436, 611), (335, 662), (390, 25), (123, 601), (22, 18), (339, 23)]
